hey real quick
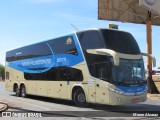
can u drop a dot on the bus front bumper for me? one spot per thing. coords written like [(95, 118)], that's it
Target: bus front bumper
[(117, 99)]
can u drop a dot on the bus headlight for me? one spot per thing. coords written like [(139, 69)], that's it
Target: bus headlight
[(118, 91)]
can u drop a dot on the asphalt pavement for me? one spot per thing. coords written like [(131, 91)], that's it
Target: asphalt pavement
[(4, 106)]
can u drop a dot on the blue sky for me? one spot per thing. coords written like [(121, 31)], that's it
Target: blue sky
[(28, 21)]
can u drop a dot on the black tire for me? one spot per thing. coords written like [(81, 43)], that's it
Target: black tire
[(80, 98), (23, 92), (17, 91)]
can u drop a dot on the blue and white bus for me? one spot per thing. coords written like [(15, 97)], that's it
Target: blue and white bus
[(90, 66)]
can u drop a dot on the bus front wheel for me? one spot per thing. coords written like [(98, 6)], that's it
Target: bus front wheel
[(23, 91), (80, 98)]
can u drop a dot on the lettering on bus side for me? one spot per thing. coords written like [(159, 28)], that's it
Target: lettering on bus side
[(61, 59), (37, 62)]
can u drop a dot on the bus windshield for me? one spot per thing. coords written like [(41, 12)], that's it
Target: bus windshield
[(129, 72)]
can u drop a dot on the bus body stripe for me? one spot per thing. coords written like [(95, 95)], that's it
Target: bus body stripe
[(45, 63)]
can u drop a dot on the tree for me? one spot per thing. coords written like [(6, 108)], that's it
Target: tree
[(2, 71)]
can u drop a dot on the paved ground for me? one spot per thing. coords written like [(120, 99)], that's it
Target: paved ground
[(49, 107), (3, 106), (153, 96)]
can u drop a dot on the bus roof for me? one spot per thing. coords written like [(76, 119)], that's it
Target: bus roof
[(97, 29), (71, 33)]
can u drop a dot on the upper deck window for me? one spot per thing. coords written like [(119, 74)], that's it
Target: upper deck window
[(32, 51), (63, 45), (90, 40), (121, 42)]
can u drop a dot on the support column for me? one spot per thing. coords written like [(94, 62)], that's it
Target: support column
[(151, 85), (149, 51)]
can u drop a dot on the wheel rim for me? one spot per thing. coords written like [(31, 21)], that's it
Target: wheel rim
[(81, 98), (23, 92), (17, 91)]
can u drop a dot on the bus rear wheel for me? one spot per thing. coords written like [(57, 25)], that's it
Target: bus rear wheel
[(23, 91), (17, 91), (80, 98)]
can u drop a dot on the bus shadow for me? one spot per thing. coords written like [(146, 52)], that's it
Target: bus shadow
[(50, 100), (127, 108)]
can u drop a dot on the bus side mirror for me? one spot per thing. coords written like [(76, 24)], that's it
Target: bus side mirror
[(106, 52), (153, 58)]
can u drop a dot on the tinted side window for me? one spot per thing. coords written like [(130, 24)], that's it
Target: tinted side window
[(52, 74), (93, 59), (90, 40), (103, 71), (71, 74), (33, 76), (36, 50), (7, 75), (57, 73), (63, 45), (10, 56)]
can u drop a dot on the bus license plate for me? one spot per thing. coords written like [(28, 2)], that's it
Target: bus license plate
[(135, 100)]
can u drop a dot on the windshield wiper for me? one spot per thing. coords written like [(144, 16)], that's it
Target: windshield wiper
[(139, 80)]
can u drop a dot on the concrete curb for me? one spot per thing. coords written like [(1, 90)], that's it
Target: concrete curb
[(153, 96), (3, 106)]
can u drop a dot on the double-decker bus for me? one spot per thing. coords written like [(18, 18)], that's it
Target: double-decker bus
[(90, 66)]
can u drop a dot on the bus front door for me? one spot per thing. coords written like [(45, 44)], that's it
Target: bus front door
[(101, 84), (102, 93)]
